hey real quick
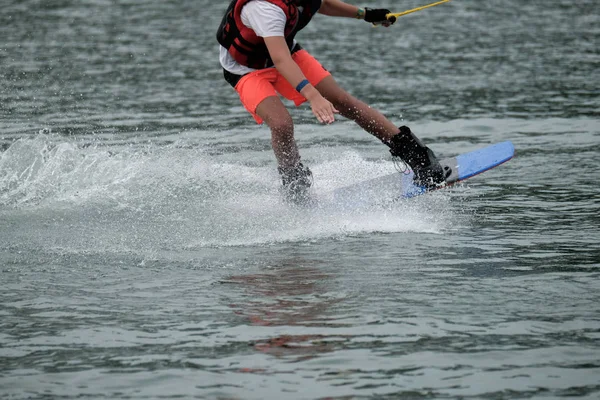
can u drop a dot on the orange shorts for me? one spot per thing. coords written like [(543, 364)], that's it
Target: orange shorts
[(256, 86)]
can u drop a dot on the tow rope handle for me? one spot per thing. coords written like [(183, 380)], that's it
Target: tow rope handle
[(400, 14)]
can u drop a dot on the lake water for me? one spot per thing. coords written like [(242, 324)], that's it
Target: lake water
[(145, 251)]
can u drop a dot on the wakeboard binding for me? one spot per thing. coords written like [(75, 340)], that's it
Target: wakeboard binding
[(428, 172)]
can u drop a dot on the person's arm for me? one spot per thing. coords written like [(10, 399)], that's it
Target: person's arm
[(337, 8), (287, 67)]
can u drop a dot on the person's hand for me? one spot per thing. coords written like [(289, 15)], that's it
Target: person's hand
[(377, 16), (323, 109)]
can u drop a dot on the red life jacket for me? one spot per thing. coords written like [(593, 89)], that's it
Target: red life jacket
[(250, 50)]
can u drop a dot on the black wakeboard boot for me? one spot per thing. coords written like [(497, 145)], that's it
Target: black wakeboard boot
[(428, 171), (297, 181)]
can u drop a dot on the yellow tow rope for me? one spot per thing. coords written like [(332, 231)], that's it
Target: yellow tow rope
[(388, 16)]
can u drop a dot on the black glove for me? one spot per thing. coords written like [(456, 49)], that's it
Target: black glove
[(377, 16)]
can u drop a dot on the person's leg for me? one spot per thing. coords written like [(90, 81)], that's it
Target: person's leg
[(401, 141), (295, 177), (368, 118), (259, 97), (277, 117), (350, 107)]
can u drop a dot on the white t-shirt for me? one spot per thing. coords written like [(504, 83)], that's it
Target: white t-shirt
[(266, 20)]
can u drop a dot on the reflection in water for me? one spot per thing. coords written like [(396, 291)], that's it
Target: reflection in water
[(292, 294)]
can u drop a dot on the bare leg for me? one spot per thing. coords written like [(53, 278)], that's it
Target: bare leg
[(295, 177), (402, 143), (350, 107), (277, 117)]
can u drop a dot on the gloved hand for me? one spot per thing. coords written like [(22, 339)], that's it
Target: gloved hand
[(376, 16)]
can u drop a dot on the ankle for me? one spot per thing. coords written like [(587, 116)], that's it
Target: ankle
[(295, 174), (408, 147)]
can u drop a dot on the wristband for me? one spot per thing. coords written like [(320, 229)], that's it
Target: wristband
[(360, 13), (301, 85)]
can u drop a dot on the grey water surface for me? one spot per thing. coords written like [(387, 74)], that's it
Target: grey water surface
[(146, 253)]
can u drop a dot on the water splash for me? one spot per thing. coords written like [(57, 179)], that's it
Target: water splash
[(134, 196)]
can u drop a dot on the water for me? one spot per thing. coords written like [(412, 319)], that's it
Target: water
[(145, 251)]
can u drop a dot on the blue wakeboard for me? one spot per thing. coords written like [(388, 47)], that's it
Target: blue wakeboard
[(401, 185)]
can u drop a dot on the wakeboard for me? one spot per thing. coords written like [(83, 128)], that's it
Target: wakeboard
[(401, 184)]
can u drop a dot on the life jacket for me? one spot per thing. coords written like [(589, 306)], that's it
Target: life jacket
[(249, 49)]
